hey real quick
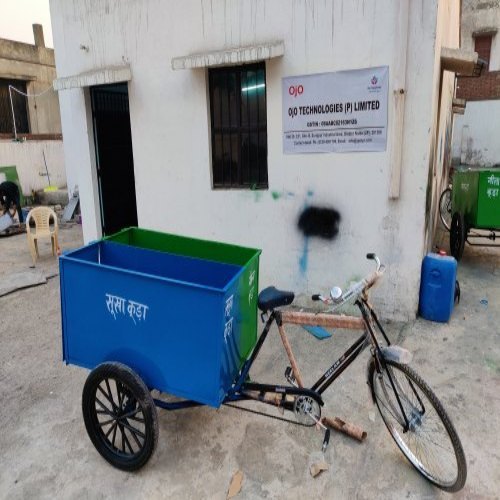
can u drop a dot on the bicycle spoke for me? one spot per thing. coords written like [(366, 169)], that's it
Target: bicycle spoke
[(107, 422), (136, 419), (103, 406), (120, 393), (127, 442), (394, 416), (111, 429), (131, 414), (110, 393), (123, 439), (136, 439), (133, 429), (109, 398), (114, 435)]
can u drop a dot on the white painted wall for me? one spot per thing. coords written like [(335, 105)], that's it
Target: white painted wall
[(476, 134), (171, 138), (28, 158)]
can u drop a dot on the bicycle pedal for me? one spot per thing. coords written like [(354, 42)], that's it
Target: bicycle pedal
[(326, 440), (290, 377)]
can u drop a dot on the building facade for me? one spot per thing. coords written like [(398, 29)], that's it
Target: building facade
[(30, 127), (475, 140), (178, 113)]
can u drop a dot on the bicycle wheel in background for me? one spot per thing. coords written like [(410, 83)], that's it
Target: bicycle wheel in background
[(431, 443), (445, 208)]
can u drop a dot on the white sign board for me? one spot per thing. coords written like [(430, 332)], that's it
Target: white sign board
[(336, 112)]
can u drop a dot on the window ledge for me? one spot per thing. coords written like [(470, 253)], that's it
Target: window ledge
[(458, 60), (100, 76), (484, 32), (238, 55)]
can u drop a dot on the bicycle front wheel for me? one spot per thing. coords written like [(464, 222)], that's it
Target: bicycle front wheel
[(423, 431)]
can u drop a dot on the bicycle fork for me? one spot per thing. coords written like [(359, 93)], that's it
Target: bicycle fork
[(379, 356)]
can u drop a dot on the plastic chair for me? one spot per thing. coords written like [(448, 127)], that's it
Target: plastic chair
[(42, 217)]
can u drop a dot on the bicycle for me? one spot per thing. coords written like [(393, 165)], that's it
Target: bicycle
[(119, 409), (409, 408)]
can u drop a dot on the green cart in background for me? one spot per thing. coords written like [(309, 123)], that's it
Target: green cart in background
[(473, 204)]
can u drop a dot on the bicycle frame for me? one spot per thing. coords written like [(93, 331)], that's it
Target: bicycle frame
[(245, 390), (276, 395)]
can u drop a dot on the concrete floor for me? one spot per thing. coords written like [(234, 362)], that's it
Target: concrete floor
[(45, 451)]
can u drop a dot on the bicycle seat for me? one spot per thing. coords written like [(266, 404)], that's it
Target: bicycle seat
[(271, 297)]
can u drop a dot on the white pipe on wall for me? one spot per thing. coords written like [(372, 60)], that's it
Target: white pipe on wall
[(399, 93)]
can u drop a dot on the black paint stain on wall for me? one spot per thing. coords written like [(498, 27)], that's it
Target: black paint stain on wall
[(321, 222)]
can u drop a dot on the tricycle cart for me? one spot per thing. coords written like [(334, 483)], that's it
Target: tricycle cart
[(149, 311), (474, 206)]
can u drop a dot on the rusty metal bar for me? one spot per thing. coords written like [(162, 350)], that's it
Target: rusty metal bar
[(272, 398), (328, 320), (347, 428), (291, 357)]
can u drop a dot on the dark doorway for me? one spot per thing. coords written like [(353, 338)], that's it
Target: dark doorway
[(115, 163)]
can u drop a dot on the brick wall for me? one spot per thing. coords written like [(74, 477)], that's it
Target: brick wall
[(487, 86)]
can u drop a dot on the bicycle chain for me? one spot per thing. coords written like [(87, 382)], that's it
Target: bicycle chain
[(274, 417)]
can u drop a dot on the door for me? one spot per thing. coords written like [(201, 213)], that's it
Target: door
[(114, 159)]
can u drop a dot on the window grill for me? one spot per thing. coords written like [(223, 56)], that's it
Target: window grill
[(20, 105), (239, 126)]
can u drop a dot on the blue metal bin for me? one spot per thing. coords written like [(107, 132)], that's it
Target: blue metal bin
[(173, 319)]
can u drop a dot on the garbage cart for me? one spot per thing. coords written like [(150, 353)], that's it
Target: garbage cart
[(177, 320), (475, 207)]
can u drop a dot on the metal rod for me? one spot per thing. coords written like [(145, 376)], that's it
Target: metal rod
[(347, 428), (291, 357), (13, 116), (328, 320), (46, 169), (176, 405)]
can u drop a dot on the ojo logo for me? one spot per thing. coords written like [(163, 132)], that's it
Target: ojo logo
[(295, 90)]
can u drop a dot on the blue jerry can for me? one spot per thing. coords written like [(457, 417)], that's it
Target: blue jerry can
[(437, 287)]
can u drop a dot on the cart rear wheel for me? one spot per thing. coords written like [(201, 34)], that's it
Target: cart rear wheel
[(120, 416), (458, 234)]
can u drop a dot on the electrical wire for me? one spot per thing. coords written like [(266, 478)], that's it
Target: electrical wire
[(30, 95), (12, 88)]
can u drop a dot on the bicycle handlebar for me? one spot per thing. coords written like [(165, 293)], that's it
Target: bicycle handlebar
[(372, 256), (357, 288)]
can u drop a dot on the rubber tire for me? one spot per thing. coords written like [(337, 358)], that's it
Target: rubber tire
[(445, 207), (140, 392), (441, 412), (458, 234)]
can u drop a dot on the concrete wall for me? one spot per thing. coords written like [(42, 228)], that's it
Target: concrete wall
[(476, 134), (479, 15), (35, 65), (27, 156), (441, 132), (171, 138)]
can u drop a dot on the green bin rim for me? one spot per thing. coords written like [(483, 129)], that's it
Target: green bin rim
[(133, 229)]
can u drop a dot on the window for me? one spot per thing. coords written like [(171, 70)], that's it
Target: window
[(239, 126), (482, 45), (18, 103)]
